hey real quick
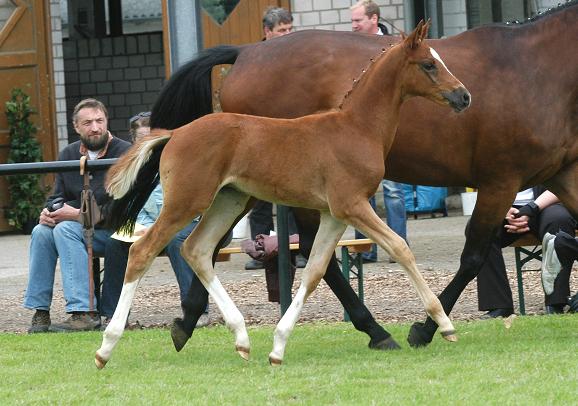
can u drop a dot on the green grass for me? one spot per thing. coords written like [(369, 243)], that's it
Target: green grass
[(534, 362)]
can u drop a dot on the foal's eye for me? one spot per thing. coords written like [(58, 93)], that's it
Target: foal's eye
[(428, 66)]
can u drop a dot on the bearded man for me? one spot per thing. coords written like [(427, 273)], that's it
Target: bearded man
[(59, 233)]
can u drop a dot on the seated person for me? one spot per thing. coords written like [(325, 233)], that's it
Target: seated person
[(60, 235), (537, 211), (116, 254)]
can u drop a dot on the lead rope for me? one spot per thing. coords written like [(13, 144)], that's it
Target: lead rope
[(87, 227)]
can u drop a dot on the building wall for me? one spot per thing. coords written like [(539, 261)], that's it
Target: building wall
[(125, 73), (59, 80), (335, 14)]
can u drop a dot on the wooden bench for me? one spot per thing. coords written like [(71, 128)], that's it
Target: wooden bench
[(350, 262), (524, 255)]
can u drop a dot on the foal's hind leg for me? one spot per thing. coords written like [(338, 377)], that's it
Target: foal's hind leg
[(363, 218), (198, 250), (328, 235), (196, 301), (141, 255)]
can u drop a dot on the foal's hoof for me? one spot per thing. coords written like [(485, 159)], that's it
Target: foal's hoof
[(243, 352), (450, 335), (99, 361), (274, 361), (385, 345), (418, 335), (178, 334)]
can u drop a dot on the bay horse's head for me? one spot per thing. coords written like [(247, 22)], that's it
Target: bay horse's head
[(428, 76)]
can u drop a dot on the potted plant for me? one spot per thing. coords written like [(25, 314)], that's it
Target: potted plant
[(26, 193)]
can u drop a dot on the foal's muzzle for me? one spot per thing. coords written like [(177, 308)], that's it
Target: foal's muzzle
[(459, 99)]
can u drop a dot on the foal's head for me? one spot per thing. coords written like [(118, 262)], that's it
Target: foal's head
[(428, 76)]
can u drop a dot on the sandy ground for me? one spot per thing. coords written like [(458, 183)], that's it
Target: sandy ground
[(436, 243)]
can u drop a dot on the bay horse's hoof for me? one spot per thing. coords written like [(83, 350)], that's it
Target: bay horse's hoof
[(100, 363), (450, 336), (385, 345), (274, 362), (418, 335), (178, 334), (243, 352)]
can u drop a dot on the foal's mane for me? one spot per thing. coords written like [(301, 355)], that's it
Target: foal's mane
[(372, 61)]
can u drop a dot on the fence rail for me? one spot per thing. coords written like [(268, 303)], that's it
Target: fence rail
[(55, 166)]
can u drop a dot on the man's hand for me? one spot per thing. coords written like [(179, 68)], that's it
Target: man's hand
[(46, 218), (65, 213), (530, 210), (517, 224)]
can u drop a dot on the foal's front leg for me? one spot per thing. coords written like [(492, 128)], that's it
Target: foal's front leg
[(330, 231), (365, 220)]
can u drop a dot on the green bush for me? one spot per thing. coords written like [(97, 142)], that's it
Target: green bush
[(26, 194)]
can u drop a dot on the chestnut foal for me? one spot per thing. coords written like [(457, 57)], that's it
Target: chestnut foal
[(331, 162)]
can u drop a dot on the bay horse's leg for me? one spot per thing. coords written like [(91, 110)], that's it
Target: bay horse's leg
[(198, 249), (197, 297), (330, 231), (141, 255), (308, 224), (565, 185), (488, 214), (363, 217)]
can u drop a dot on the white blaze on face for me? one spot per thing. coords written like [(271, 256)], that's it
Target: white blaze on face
[(437, 56)]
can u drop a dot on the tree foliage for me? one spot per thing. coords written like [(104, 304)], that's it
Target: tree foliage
[(26, 194)]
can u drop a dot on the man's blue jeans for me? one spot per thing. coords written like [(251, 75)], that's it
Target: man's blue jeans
[(394, 201), (64, 241), (116, 259)]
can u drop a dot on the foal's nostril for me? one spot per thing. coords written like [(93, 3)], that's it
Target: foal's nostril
[(466, 98)]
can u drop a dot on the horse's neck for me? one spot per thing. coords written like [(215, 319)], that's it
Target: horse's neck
[(377, 96)]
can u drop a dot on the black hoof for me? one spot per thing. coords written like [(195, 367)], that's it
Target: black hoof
[(418, 335), (178, 334), (385, 345)]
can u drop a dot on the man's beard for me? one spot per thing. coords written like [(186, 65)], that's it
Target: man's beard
[(94, 143)]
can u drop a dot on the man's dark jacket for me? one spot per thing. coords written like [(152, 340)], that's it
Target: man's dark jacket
[(68, 185)]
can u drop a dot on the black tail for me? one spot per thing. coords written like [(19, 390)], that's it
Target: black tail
[(187, 95), (121, 214)]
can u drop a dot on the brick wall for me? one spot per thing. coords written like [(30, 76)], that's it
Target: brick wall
[(125, 73), (335, 14), (59, 80)]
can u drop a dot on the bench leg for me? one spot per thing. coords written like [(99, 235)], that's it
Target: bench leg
[(347, 261), (520, 279)]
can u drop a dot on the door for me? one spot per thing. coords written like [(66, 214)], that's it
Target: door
[(238, 22), (25, 63)]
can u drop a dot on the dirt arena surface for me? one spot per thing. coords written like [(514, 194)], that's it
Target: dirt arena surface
[(437, 244)]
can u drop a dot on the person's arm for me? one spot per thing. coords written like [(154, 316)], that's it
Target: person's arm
[(518, 218)]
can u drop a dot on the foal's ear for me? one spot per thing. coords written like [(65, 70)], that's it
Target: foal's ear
[(413, 40)]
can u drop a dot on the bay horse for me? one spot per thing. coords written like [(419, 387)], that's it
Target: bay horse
[(520, 131), (206, 168)]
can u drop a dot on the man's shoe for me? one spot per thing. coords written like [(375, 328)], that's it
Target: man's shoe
[(495, 313), (203, 321), (300, 261), (555, 309), (40, 322), (79, 321), (254, 264), (550, 263)]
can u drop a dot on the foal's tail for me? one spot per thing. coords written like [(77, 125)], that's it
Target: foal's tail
[(187, 95), (132, 179)]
